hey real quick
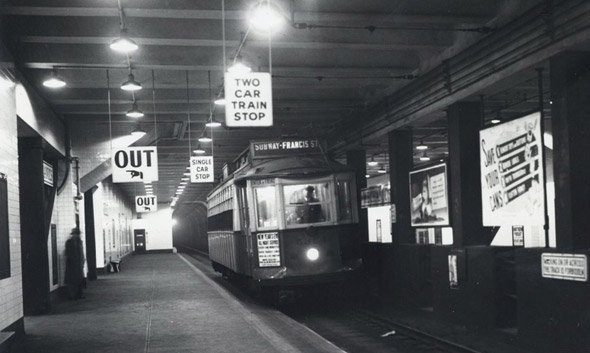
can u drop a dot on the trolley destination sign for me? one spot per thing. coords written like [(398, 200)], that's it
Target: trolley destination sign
[(284, 148), (248, 99)]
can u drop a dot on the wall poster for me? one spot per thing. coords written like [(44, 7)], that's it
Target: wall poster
[(429, 196), (512, 172)]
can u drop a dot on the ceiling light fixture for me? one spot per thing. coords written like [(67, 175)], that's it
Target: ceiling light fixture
[(382, 171), (372, 162), (422, 146), (213, 123), (265, 18), (495, 121), (131, 85), (424, 157), (220, 101), (138, 132), (124, 44), (238, 66), (134, 112), (205, 138), (54, 81), (199, 150)]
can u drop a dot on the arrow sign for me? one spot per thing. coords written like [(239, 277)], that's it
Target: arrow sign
[(146, 203)]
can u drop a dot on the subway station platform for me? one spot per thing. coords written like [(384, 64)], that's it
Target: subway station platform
[(164, 303)]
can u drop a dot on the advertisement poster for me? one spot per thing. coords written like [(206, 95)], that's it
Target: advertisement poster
[(429, 196), (269, 251), (512, 172)]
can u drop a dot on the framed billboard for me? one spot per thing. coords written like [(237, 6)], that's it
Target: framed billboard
[(429, 196), (512, 172)]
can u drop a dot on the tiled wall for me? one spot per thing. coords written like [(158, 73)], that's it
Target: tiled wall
[(64, 218), (11, 308), (113, 216)]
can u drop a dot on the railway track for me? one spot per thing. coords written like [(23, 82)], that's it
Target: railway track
[(350, 323), (361, 330)]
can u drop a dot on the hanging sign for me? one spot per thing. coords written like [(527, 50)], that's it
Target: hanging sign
[(248, 99), (201, 169), (269, 251), (47, 174), (512, 172), (135, 164), (429, 196), (146, 204), (571, 267)]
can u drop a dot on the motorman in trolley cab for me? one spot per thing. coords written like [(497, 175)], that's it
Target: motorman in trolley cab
[(287, 215)]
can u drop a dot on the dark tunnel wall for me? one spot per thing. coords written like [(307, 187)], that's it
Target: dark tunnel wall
[(190, 231)]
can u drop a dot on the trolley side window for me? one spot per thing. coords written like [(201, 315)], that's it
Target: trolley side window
[(344, 201), (307, 203), (266, 208)]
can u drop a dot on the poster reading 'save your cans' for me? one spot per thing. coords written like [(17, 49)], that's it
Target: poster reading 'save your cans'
[(512, 172)]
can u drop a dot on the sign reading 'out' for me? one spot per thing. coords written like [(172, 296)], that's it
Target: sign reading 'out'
[(248, 99), (201, 169), (146, 204), (135, 164)]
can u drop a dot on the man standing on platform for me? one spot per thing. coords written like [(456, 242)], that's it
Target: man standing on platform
[(74, 265)]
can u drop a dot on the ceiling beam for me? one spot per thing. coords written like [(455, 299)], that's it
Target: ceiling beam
[(232, 15), (400, 45), (489, 61), (316, 71)]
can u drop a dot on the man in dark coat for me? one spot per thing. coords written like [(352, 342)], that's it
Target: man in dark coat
[(74, 265)]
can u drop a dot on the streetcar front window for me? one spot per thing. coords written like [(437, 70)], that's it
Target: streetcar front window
[(266, 207), (307, 203), (344, 201)]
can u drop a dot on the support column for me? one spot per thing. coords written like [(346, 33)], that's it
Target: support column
[(570, 112), (35, 257), (400, 164), (464, 175), (357, 159)]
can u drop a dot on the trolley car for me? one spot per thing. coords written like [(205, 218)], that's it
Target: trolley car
[(285, 216)]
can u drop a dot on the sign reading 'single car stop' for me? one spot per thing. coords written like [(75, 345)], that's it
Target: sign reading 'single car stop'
[(248, 99)]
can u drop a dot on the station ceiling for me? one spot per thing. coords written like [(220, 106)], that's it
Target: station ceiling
[(362, 51)]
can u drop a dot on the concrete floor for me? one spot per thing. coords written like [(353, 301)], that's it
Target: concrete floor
[(164, 303)]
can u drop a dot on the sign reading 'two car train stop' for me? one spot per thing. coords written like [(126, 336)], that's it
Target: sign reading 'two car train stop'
[(248, 99)]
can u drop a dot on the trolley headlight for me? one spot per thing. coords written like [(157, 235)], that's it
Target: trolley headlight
[(312, 254)]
